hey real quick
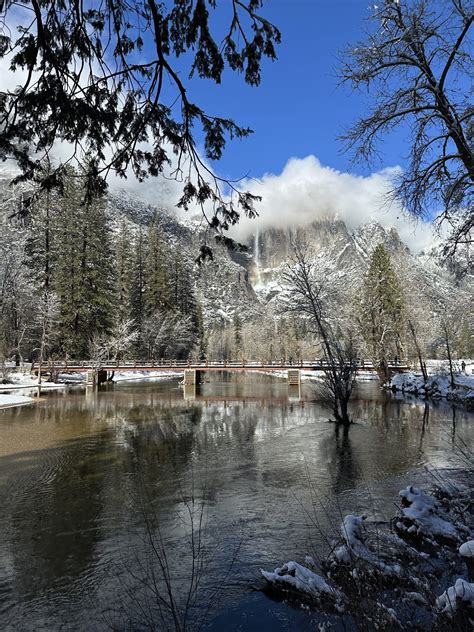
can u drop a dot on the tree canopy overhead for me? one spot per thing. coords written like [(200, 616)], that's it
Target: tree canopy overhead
[(418, 68), (103, 77)]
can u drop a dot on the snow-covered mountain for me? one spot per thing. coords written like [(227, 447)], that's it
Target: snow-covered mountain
[(343, 257), (251, 284)]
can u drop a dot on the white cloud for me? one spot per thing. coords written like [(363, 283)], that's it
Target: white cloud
[(306, 190), (303, 192)]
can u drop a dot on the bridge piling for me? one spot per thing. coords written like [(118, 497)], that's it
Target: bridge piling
[(294, 377)]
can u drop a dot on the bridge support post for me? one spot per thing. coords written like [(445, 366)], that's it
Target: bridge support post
[(294, 384), (91, 378), (294, 377), (95, 378), (190, 376)]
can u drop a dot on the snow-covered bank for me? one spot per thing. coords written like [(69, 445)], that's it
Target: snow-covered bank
[(21, 380), (129, 376), (437, 386), (14, 400), (411, 572)]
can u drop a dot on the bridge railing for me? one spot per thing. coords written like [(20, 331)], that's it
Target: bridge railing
[(170, 363)]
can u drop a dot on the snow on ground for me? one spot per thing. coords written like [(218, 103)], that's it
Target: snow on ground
[(24, 380), (467, 549), (14, 400), (399, 573), (437, 386), (423, 516), (125, 376)]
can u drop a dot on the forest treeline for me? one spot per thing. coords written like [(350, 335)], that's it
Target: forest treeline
[(76, 282), (72, 278)]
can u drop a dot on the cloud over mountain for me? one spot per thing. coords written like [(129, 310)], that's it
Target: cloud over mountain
[(306, 190)]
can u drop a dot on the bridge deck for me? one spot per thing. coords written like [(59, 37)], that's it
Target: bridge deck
[(180, 366)]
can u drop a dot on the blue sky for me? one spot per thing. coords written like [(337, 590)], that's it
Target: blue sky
[(299, 108)]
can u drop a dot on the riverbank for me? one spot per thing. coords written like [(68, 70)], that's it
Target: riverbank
[(6, 401), (414, 570), (437, 386)]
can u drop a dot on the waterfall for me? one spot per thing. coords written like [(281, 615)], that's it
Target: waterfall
[(256, 255)]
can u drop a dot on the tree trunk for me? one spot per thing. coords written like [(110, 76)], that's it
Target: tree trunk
[(418, 351)]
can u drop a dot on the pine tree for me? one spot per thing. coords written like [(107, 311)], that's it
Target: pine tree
[(137, 288), (237, 333), (40, 245), (123, 266), (158, 287), (83, 278), (382, 311)]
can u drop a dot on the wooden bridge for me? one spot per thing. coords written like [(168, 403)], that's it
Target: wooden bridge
[(97, 372), (214, 365)]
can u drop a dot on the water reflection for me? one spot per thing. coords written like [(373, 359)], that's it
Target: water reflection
[(76, 471)]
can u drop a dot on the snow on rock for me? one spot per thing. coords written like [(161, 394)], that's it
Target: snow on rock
[(459, 595), (295, 577), (467, 549), (423, 517), (355, 551), (14, 400), (437, 386)]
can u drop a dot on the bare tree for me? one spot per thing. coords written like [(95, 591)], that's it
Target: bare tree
[(414, 335), (168, 333), (98, 351), (307, 298), (47, 316), (417, 64), (121, 338)]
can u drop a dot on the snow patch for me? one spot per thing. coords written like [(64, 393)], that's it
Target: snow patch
[(294, 576), (461, 594), (14, 400)]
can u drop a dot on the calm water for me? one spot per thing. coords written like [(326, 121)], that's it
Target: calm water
[(96, 490)]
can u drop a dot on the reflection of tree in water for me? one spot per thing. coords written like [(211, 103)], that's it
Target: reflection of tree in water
[(347, 471), (426, 418)]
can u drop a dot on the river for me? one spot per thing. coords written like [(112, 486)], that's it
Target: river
[(102, 490)]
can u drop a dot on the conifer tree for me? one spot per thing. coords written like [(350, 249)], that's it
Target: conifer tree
[(40, 244), (137, 287), (83, 278), (237, 333), (123, 265), (382, 311), (158, 287)]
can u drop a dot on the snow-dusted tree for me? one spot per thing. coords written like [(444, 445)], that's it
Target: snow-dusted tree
[(83, 277), (158, 286), (306, 298), (168, 334), (450, 331), (412, 328), (41, 239), (137, 287), (121, 339), (220, 343), (417, 64), (16, 300), (381, 311), (123, 267), (98, 350), (47, 314)]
